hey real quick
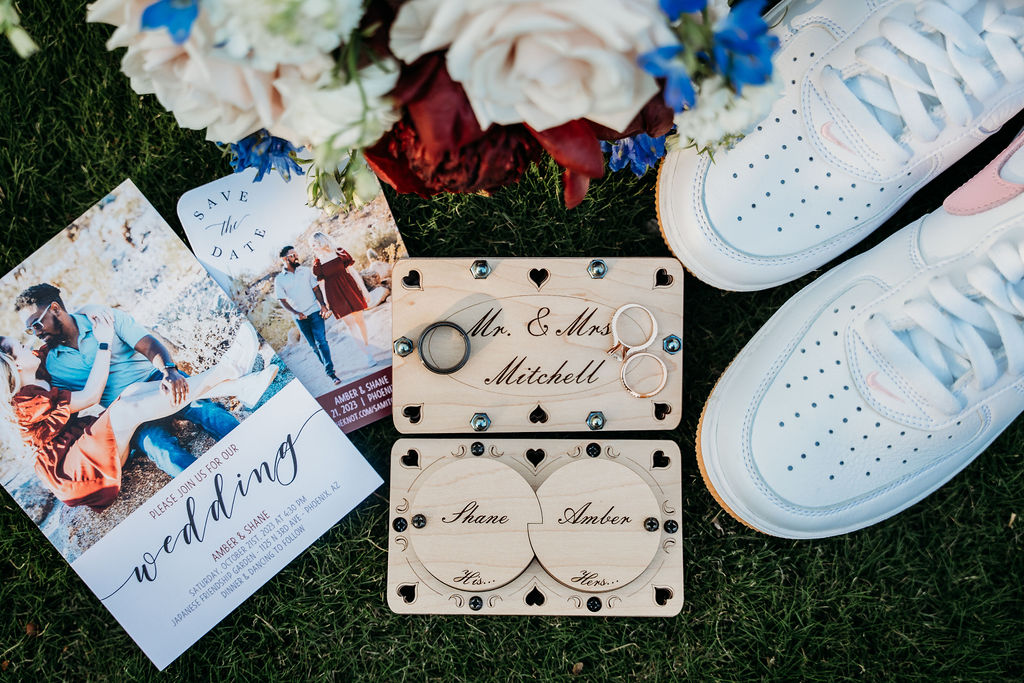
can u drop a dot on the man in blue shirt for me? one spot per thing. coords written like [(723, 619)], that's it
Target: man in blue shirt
[(136, 356), (299, 293)]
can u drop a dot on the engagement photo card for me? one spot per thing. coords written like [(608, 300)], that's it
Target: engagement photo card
[(317, 286), (127, 384)]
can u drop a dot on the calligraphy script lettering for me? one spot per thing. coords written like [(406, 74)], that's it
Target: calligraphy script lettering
[(466, 516), (228, 225), (513, 373), (588, 578), (579, 516), (580, 326), (282, 470), (486, 327), (470, 578)]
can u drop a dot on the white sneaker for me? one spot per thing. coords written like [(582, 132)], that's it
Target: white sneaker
[(879, 98), (882, 379)]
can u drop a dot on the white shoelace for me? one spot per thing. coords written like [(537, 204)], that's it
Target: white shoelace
[(932, 66), (956, 338)]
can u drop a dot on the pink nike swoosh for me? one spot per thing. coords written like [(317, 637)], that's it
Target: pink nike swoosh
[(826, 132), (872, 381)]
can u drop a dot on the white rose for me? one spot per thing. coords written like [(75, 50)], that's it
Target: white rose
[(267, 33), (335, 118), (202, 85), (542, 62)]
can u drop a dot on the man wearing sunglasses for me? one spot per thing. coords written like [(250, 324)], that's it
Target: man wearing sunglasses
[(136, 356)]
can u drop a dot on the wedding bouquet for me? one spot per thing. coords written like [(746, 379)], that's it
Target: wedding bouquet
[(448, 95)]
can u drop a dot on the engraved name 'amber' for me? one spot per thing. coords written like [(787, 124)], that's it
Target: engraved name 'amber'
[(579, 516)]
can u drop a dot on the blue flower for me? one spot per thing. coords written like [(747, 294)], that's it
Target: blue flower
[(265, 152), (640, 152), (673, 8), (743, 48), (177, 16), (661, 62)]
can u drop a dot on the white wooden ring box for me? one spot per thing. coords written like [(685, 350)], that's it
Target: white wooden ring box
[(538, 333), (540, 526)]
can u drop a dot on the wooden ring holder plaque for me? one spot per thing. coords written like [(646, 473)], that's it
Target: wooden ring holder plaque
[(539, 333), (547, 526)]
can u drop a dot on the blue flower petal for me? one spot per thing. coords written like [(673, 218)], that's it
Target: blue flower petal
[(673, 8), (679, 92), (639, 152), (743, 48), (177, 16), (660, 61), (265, 152)]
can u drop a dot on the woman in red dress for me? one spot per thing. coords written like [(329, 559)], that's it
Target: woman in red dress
[(79, 458), (342, 288)]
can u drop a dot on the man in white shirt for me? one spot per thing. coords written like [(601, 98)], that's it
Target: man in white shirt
[(297, 290)]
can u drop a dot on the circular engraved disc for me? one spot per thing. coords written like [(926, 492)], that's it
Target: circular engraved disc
[(593, 537), (475, 537)]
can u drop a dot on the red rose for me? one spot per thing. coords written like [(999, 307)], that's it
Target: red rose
[(438, 146), (403, 160)]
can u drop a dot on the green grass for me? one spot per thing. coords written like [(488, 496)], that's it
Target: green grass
[(934, 593)]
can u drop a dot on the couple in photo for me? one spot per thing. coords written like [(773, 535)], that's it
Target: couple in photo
[(297, 287), (101, 356)]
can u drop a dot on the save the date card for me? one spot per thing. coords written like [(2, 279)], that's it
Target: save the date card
[(317, 286), (163, 448)]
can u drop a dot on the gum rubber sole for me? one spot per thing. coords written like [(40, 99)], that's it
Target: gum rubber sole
[(700, 423), (703, 470)]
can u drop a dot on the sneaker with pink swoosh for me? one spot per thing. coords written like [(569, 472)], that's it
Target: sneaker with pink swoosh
[(879, 97), (882, 379)]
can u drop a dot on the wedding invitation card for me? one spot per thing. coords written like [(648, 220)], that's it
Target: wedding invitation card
[(317, 286), (162, 447)]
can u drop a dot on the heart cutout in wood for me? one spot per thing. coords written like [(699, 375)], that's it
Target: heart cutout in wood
[(662, 278), (412, 280), (538, 415), (411, 459), (661, 410), (534, 598), (659, 460), (414, 413), (535, 456), (539, 276), (408, 592), (662, 595)]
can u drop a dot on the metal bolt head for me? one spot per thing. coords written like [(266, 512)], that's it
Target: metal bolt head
[(480, 269), (399, 524), (672, 344), (594, 604), (475, 603), (671, 526), (651, 524), (596, 420), (419, 521), (480, 422), (403, 346), (477, 448), (597, 269), (593, 449)]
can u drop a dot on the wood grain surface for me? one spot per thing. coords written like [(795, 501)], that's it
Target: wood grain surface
[(539, 332), (535, 526)]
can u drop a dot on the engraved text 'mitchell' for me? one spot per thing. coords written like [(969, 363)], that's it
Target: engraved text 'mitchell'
[(513, 373), (579, 516), (467, 516)]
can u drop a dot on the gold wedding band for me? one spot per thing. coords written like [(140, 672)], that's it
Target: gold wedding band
[(625, 365)]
